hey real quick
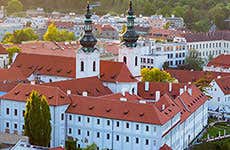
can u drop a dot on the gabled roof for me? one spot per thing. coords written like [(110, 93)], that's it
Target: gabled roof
[(224, 84), (115, 109), (115, 72), (2, 50), (190, 103), (222, 60), (65, 67), (11, 74), (92, 85), (54, 95), (185, 76)]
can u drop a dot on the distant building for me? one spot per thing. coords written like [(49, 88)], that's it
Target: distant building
[(4, 57), (175, 22), (9, 27)]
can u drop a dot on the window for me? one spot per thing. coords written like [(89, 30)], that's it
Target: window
[(147, 128), (127, 139), (87, 133), (23, 127), (136, 59), (82, 66), (70, 131), (98, 121), (79, 131), (107, 136), (88, 119), (7, 124), (137, 140), (117, 137), (127, 125), (62, 116), (7, 111), (117, 123), (98, 134), (154, 129), (125, 59), (79, 119), (94, 66), (70, 117), (15, 112), (137, 126), (154, 142), (108, 123), (15, 126), (146, 142)]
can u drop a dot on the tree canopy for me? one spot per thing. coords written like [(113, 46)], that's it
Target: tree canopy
[(11, 51), (54, 34), (37, 120), (156, 75), (18, 36), (13, 7)]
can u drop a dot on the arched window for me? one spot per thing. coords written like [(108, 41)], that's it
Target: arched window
[(136, 61), (94, 66), (82, 66), (125, 59)]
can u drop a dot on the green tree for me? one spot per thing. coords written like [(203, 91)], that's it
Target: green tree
[(11, 51), (193, 61), (18, 36), (156, 75), (37, 120), (14, 6), (70, 144), (54, 34)]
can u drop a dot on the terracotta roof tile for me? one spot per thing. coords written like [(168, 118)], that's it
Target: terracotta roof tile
[(165, 147), (11, 74), (220, 61), (3, 50), (224, 84)]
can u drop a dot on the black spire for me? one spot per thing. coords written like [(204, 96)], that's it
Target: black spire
[(130, 37), (88, 41)]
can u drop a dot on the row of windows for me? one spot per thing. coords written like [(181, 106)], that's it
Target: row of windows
[(15, 112), (210, 45), (178, 55), (108, 136), (146, 60), (170, 48), (209, 53), (15, 125), (83, 66), (127, 125)]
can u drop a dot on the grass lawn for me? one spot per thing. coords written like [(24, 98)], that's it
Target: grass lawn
[(214, 131), (223, 144)]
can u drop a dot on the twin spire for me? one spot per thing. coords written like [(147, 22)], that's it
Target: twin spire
[(88, 41)]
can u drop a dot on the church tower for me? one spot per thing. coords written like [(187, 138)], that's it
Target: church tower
[(130, 52), (88, 57)]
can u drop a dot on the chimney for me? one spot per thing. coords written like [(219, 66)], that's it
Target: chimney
[(84, 93), (190, 91), (170, 87), (68, 92), (146, 86), (185, 88), (32, 82), (181, 91), (157, 96), (123, 99), (163, 107)]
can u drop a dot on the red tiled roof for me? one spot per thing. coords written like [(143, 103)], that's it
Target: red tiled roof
[(220, 61), (209, 36), (190, 103), (57, 148), (92, 85), (165, 147), (6, 87), (127, 95), (185, 76), (11, 74), (224, 84), (61, 24), (3, 50), (54, 95), (65, 67), (115, 72), (113, 109), (107, 27)]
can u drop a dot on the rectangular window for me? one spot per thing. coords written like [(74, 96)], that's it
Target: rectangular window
[(98, 121), (87, 133), (15, 112), (7, 124), (15, 126), (137, 126), (117, 123), (146, 142), (79, 119), (108, 136), (23, 113), (98, 134), (88, 119), (62, 116), (108, 123), (127, 125), (70, 131), (70, 117), (127, 139), (79, 131), (7, 111), (117, 137), (137, 140)]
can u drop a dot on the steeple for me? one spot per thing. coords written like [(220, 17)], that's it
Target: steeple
[(88, 41), (130, 36)]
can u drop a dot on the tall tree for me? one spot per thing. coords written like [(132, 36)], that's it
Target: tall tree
[(14, 6), (37, 120)]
